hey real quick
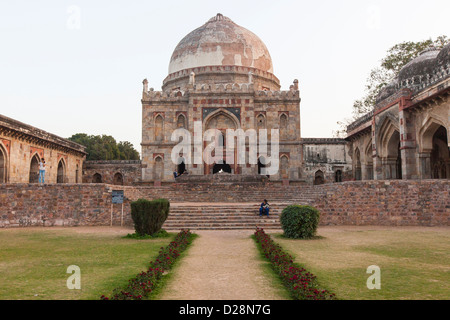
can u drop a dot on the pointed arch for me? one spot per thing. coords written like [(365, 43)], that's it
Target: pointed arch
[(34, 168), (3, 164), (118, 179), (319, 177), (284, 167), (158, 169), (97, 178), (221, 117), (61, 173), (159, 128), (387, 130), (260, 122), (284, 120), (427, 132), (181, 121)]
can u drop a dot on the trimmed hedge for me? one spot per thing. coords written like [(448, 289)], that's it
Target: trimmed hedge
[(299, 222), (141, 286), (301, 284), (149, 216)]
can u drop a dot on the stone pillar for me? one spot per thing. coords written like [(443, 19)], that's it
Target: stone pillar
[(408, 145), (425, 165)]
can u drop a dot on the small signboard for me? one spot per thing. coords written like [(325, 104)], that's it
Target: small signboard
[(117, 196)]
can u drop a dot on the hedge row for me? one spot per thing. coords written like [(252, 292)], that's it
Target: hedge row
[(144, 283), (301, 284)]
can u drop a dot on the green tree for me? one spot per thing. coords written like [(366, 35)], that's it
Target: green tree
[(104, 147), (396, 58)]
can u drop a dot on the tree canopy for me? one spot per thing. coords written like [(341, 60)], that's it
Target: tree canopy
[(104, 147), (379, 77)]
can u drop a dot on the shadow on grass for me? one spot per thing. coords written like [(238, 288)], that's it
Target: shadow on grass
[(282, 236)]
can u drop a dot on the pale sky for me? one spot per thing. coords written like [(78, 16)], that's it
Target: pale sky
[(77, 66)]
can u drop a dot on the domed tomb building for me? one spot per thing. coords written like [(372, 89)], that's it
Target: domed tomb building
[(221, 76), (407, 136)]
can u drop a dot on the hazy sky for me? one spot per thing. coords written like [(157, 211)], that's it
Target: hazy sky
[(77, 66)]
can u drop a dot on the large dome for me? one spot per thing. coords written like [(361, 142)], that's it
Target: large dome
[(220, 42)]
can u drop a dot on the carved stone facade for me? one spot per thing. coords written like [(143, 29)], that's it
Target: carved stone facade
[(221, 77), (23, 146), (407, 135)]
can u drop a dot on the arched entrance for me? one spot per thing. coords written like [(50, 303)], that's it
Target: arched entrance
[(61, 172), (221, 167), (118, 179), (97, 178), (440, 155), (318, 178), (338, 176), (221, 120), (34, 169), (181, 168), (3, 165)]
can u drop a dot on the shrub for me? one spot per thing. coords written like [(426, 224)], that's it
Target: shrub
[(299, 222), (149, 216)]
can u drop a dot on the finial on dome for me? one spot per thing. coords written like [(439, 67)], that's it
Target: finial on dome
[(295, 84), (219, 17), (145, 83), (192, 78)]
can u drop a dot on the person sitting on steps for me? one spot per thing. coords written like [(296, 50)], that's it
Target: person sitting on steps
[(264, 209)]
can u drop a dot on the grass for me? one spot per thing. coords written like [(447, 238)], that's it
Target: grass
[(34, 261), (272, 276), (414, 261)]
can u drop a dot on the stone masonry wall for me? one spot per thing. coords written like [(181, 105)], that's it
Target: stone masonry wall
[(397, 203)]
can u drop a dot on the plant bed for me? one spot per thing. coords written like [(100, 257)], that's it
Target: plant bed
[(301, 284), (141, 286)]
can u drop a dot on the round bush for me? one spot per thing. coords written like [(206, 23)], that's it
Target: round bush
[(299, 222)]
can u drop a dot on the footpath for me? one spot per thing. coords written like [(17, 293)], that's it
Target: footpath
[(221, 265)]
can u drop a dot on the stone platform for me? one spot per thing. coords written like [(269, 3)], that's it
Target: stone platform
[(222, 177)]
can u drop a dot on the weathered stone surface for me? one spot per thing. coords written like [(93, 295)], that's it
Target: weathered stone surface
[(398, 203)]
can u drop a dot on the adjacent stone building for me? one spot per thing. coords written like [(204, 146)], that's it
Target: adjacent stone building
[(407, 134), (117, 172), (326, 160), (23, 146)]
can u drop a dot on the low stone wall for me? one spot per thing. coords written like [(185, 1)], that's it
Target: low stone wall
[(397, 203), (388, 203), (24, 205)]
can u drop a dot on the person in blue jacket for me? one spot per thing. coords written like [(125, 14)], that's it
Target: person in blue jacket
[(264, 209)]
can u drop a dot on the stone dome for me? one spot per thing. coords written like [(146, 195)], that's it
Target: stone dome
[(220, 42), (421, 65)]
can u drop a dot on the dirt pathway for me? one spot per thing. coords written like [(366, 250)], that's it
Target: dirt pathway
[(221, 265)]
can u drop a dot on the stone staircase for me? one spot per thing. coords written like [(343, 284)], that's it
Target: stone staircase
[(228, 206), (221, 216)]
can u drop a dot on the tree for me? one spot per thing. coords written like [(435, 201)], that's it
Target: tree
[(104, 147), (396, 58)]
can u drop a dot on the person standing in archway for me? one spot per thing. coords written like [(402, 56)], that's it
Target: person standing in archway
[(42, 171)]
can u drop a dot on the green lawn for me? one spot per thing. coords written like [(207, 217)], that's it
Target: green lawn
[(414, 262), (34, 261)]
